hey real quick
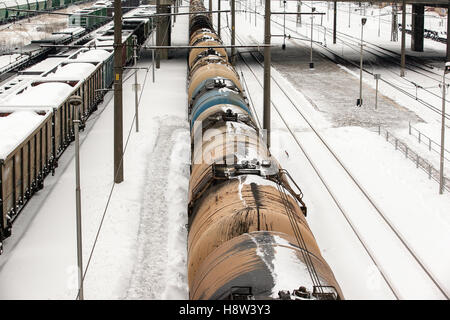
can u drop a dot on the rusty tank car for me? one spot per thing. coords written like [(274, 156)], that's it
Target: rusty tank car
[(248, 235)]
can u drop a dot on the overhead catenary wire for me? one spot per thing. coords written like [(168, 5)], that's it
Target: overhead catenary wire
[(410, 95), (113, 186), (334, 198), (369, 198), (297, 232)]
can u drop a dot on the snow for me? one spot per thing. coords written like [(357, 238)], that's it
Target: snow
[(404, 193), (78, 71), (16, 127), (44, 65), (141, 249), (94, 55), (8, 59), (42, 265), (54, 92)]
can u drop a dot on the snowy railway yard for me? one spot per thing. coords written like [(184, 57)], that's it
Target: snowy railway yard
[(369, 176)]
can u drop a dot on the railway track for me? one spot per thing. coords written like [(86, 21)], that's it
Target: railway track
[(368, 228), (391, 58), (337, 58)]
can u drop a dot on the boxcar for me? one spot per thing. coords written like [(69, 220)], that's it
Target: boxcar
[(24, 161)]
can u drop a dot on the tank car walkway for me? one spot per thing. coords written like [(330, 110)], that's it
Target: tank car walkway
[(39, 261), (327, 96)]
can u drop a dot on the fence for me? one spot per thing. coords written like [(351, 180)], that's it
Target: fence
[(422, 138), (420, 162)]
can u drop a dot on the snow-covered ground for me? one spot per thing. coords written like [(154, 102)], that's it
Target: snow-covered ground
[(406, 196), (137, 257)]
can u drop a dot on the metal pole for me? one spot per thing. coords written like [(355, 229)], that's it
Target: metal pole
[(233, 32), (441, 166), (299, 10), (175, 11), (135, 83), (334, 22), (210, 11), (394, 25), (360, 100), (218, 18), (376, 95), (284, 26), (377, 77), (255, 13), (267, 62), (159, 41), (402, 70), (153, 56), (379, 21), (311, 63), (118, 112), (76, 102), (349, 7)]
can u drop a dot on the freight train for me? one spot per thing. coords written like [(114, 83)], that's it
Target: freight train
[(9, 8), (248, 237), (36, 117), (80, 23)]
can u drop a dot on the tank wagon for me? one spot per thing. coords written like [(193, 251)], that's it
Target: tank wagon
[(36, 118), (248, 235)]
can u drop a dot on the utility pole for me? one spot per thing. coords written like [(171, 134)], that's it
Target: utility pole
[(334, 22), (76, 101), (379, 21), (210, 11), (349, 7), (284, 26), (403, 58), (311, 63), (153, 56), (136, 86), (359, 102), (255, 13), (267, 63), (299, 10), (118, 112), (377, 76), (441, 165), (218, 18), (158, 34), (394, 25), (233, 32)]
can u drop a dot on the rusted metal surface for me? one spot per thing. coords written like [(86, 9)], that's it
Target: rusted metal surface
[(24, 168), (245, 219), (196, 52), (212, 71), (251, 260)]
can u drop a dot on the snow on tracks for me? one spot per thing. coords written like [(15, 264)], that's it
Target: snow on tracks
[(160, 269)]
